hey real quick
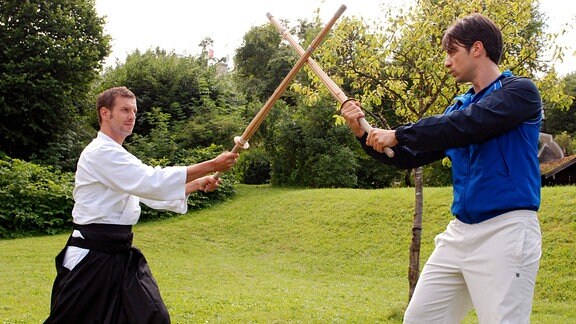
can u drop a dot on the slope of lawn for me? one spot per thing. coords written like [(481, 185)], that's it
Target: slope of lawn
[(278, 255)]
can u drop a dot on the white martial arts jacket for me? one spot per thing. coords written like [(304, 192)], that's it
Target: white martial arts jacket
[(111, 183)]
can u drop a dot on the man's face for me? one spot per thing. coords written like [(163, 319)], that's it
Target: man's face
[(122, 116), (460, 64)]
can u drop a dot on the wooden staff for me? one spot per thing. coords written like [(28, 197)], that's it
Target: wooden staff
[(241, 142), (336, 92)]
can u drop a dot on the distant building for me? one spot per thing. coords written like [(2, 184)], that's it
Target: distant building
[(221, 64), (560, 172), (221, 68), (549, 149), (555, 168)]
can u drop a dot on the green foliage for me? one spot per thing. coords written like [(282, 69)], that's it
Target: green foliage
[(261, 62), (395, 67), (302, 143), (397, 70), (373, 174), (50, 52), (253, 167), (278, 255), (437, 174), (334, 169), (202, 107), (33, 199), (566, 143), (212, 127), (63, 152), (158, 147), (199, 199), (305, 148), (558, 119)]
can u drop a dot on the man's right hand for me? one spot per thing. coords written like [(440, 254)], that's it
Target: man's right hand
[(225, 161), (351, 111)]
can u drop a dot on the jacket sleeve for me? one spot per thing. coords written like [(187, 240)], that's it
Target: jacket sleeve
[(121, 171), (404, 157), (177, 206), (516, 102)]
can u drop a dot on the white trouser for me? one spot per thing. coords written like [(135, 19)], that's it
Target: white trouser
[(74, 254), (490, 266)]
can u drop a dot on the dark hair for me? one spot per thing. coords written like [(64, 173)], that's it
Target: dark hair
[(107, 98), (473, 28)]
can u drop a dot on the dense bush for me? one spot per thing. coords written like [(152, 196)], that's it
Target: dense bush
[(438, 174), (253, 167), (33, 199)]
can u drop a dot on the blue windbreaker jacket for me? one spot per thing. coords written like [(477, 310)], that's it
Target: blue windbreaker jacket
[(492, 140)]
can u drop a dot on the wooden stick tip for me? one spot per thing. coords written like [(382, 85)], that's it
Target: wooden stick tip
[(269, 15)]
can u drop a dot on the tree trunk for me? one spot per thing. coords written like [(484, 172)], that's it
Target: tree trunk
[(414, 268)]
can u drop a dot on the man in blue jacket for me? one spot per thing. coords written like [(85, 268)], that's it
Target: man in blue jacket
[(489, 254)]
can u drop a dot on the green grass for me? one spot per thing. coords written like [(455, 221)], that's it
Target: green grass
[(274, 255)]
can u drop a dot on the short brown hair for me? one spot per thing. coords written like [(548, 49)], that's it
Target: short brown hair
[(107, 98), (475, 28)]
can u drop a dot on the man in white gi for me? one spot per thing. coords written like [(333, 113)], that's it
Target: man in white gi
[(101, 277)]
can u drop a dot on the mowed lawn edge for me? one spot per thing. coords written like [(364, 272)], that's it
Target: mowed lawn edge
[(291, 255)]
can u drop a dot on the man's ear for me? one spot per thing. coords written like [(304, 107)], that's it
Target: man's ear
[(477, 48), (104, 113)]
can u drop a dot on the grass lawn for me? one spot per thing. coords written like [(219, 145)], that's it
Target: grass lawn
[(277, 255)]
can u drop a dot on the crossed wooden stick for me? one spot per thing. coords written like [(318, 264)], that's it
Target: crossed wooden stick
[(241, 142), (336, 92)]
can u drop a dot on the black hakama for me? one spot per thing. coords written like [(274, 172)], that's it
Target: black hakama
[(112, 284)]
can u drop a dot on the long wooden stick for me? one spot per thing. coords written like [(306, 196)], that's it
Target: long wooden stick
[(336, 92), (242, 141)]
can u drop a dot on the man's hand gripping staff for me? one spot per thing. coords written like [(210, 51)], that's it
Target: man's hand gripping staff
[(357, 123), (241, 142), (381, 140)]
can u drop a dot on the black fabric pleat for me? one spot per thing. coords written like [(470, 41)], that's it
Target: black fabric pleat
[(112, 284)]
